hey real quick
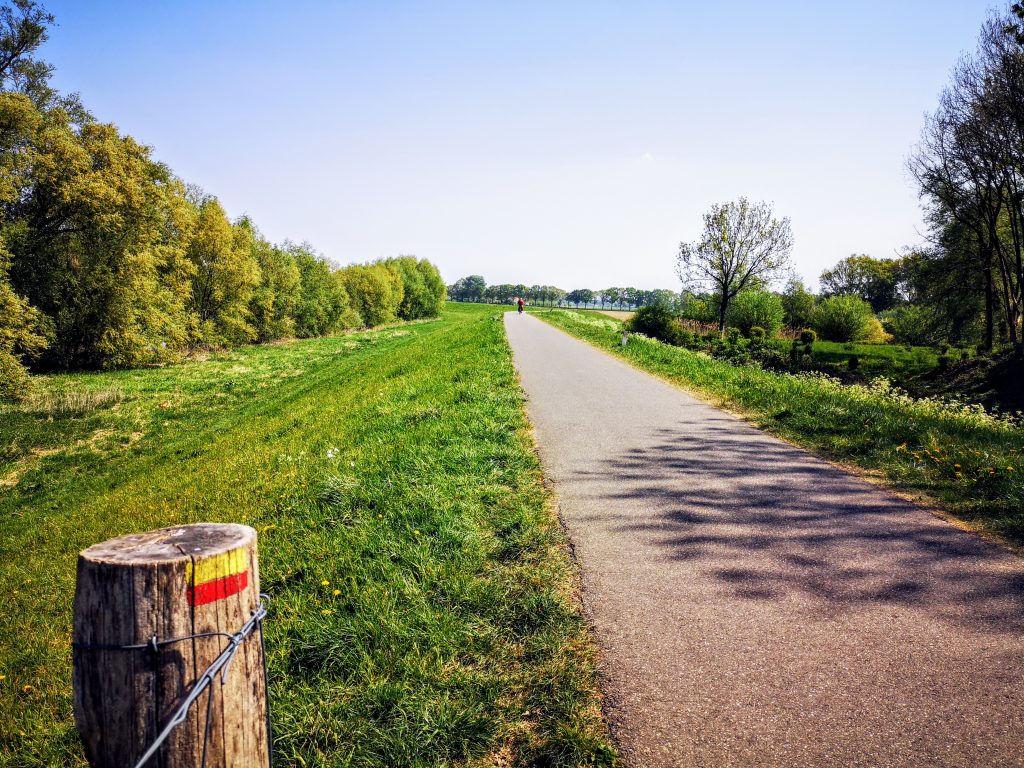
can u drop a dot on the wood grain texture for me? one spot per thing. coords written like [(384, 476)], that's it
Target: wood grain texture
[(136, 587)]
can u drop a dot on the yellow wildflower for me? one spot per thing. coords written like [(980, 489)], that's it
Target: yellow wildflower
[(336, 592), (326, 611), (325, 583)]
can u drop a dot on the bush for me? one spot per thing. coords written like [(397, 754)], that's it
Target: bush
[(912, 324), (375, 290), (658, 322), (732, 335), (757, 333), (808, 337), (853, 363), (943, 361), (846, 318), (760, 308), (423, 289)]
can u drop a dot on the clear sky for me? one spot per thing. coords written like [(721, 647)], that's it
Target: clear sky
[(572, 144)]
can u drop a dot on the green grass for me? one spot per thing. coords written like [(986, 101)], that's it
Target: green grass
[(958, 457), (423, 607), (890, 360)]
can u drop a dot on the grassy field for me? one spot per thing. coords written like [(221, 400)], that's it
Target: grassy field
[(891, 360), (422, 610), (963, 460)]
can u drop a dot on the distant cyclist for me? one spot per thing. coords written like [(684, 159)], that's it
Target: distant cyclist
[(520, 303)]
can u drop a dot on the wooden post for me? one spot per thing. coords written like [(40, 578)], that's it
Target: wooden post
[(172, 583)]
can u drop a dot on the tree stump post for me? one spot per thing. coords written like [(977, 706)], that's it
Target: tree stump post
[(172, 583)]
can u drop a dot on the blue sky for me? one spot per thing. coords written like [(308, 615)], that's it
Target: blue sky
[(572, 144)]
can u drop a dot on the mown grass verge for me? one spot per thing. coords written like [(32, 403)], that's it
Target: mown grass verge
[(957, 457), (422, 601)]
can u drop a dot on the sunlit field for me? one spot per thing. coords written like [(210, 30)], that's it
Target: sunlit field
[(422, 605)]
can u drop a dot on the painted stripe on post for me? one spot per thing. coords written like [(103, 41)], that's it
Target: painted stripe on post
[(217, 577)]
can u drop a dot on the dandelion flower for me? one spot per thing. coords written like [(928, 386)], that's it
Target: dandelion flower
[(326, 611), (336, 592), (26, 688), (325, 583), (416, 532)]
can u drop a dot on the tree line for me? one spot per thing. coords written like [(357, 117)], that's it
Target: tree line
[(969, 166), (474, 288), (108, 260)]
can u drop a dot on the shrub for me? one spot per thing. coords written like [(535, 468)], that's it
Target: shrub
[(807, 336), (943, 361), (911, 324), (760, 308), (423, 289), (845, 318), (733, 335), (757, 333), (375, 290), (853, 363), (658, 322)]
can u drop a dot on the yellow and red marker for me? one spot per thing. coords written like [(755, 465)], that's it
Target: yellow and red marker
[(217, 577)]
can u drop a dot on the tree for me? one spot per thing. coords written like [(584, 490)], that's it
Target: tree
[(579, 296), (797, 305), (847, 318), (469, 288), (226, 273), (274, 300), (375, 291), (323, 305), (756, 308), (422, 288), (742, 244), (880, 282)]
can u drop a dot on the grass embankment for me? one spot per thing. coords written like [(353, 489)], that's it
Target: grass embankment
[(422, 609), (961, 459)]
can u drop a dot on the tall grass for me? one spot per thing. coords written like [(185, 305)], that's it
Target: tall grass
[(957, 456), (422, 601)]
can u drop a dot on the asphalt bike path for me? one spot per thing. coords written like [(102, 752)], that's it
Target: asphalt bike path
[(757, 606)]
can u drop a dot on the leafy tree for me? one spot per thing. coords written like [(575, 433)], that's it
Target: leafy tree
[(797, 305), (878, 281), (913, 324), (274, 300), (375, 290), (22, 336), (662, 297), (583, 296), (226, 274), (742, 245), (423, 290), (847, 318), (323, 305), (469, 288), (757, 308)]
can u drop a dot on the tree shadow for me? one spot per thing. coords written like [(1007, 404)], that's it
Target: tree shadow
[(768, 522)]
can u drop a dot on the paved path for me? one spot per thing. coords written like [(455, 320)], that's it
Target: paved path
[(756, 606)]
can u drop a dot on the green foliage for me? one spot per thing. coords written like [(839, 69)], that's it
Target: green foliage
[(808, 336), (761, 308), (797, 305), (226, 274), (376, 292), (423, 289), (657, 322), (879, 282), (275, 299), (323, 305), (845, 318), (914, 324), (757, 334), (22, 335)]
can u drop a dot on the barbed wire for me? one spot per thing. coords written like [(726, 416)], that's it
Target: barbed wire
[(221, 665)]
